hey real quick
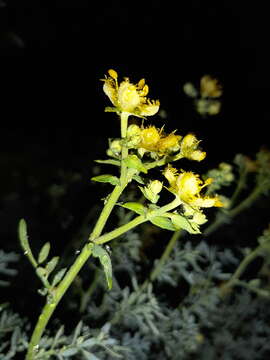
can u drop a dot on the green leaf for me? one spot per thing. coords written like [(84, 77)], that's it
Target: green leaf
[(22, 230), (136, 207), (44, 252), (139, 179), (106, 178), (41, 272), (69, 352), (109, 161), (58, 277), (163, 222), (181, 222), (133, 162), (105, 261), (50, 266)]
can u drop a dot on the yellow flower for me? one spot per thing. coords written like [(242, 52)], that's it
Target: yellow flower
[(189, 148), (210, 87), (188, 186), (150, 136), (154, 140), (129, 98), (170, 142)]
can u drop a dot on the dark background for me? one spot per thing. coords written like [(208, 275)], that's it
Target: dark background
[(53, 54)]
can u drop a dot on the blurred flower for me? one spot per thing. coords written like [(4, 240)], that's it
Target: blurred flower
[(209, 87), (129, 98)]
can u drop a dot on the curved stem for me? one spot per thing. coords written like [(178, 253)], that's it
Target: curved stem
[(84, 255), (157, 269), (240, 270), (51, 305), (137, 221)]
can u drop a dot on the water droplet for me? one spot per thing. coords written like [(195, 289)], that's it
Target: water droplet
[(36, 348), (25, 253), (77, 252)]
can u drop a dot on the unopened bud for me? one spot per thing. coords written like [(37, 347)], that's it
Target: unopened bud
[(155, 186), (113, 74)]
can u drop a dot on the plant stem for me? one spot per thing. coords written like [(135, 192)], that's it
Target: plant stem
[(137, 221), (157, 269), (241, 268), (49, 308), (226, 215), (114, 196), (51, 305)]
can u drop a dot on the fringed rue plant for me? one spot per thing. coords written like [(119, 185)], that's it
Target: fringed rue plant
[(137, 151)]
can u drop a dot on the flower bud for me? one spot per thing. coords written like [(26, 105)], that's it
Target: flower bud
[(116, 146), (155, 186)]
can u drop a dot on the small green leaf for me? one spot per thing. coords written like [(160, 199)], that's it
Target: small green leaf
[(23, 237), (105, 261), (109, 161), (41, 272), (58, 277), (136, 207), (106, 178), (139, 179), (181, 222), (133, 162), (44, 252), (50, 266), (163, 222), (69, 352)]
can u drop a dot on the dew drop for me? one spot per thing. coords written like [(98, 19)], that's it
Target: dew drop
[(77, 252), (25, 253)]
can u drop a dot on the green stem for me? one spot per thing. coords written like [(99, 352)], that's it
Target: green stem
[(114, 196), (84, 255), (240, 185), (88, 293), (225, 215), (137, 221), (50, 306), (241, 268), (157, 269)]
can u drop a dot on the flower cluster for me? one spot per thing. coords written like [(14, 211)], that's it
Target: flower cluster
[(187, 186), (158, 143), (129, 98), (206, 102)]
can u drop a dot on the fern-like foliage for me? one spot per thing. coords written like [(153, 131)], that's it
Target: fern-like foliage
[(6, 258)]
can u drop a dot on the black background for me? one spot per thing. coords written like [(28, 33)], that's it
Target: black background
[(51, 71)]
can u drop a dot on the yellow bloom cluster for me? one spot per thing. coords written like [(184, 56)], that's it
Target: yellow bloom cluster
[(210, 87), (189, 148), (188, 186), (153, 139), (129, 98)]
